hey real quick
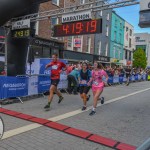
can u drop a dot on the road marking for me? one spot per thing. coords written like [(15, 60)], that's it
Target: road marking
[(26, 128)]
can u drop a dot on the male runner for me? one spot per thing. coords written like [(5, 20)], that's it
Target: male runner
[(56, 67)]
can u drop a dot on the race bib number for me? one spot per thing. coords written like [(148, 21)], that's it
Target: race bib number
[(95, 83), (55, 67), (83, 82)]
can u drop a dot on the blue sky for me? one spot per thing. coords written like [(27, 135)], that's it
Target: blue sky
[(131, 15)]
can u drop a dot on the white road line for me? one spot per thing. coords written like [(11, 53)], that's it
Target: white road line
[(26, 128)]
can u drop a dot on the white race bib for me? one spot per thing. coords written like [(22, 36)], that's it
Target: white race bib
[(55, 67)]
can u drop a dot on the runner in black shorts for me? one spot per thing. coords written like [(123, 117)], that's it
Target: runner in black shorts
[(84, 79)]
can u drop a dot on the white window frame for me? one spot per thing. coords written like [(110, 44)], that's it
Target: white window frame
[(82, 2), (106, 52), (107, 30), (52, 25), (57, 4), (99, 48), (108, 16), (101, 13), (71, 39)]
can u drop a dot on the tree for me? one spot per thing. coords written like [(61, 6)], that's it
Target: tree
[(139, 58)]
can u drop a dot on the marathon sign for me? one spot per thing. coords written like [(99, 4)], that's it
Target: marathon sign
[(23, 24), (84, 15)]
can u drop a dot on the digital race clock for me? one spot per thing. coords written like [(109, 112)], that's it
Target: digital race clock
[(20, 33), (78, 28)]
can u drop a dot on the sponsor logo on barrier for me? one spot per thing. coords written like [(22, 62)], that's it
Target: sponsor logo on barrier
[(18, 85), (1, 128), (34, 83), (44, 82)]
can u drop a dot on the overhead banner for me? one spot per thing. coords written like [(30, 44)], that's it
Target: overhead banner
[(23, 24), (71, 17)]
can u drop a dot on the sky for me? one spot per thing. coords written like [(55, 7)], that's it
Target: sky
[(131, 15)]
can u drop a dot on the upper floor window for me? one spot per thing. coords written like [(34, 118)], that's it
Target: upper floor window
[(108, 16), (130, 32), (82, 1), (54, 21), (107, 30), (55, 2)]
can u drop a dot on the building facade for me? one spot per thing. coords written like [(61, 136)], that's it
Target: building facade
[(117, 38), (102, 40), (142, 40), (128, 43)]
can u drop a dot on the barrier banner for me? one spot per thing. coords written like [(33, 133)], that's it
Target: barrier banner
[(14, 87), (63, 83), (110, 80), (44, 83), (1, 83), (121, 79), (136, 77), (144, 77), (139, 77), (33, 85), (116, 79)]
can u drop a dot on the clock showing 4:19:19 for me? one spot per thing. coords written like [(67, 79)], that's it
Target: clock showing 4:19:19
[(78, 28)]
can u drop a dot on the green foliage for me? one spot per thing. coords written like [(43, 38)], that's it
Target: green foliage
[(139, 58)]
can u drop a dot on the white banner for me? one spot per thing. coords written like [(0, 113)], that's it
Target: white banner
[(34, 68), (33, 85), (23, 24), (83, 15), (144, 5)]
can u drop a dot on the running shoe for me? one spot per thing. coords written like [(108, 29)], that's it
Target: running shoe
[(92, 113), (60, 99), (102, 100), (83, 108), (47, 107)]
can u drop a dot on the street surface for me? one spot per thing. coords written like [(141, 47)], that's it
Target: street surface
[(124, 117)]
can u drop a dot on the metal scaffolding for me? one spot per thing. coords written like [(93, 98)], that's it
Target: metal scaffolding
[(93, 5)]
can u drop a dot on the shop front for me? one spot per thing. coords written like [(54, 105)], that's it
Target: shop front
[(73, 56), (104, 60)]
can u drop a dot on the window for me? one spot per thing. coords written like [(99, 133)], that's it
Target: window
[(115, 36), (107, 30), (70, 43), (54, 21), (106, 52), (88, 45), (101, 13), (116, 22), (120, 25), (130, 32), (130, 43), (126, 54), (46, 52), (114, 52), (55, 2), (108, 16), (82, 1), (127, 29), (99, 48), (120, 35)]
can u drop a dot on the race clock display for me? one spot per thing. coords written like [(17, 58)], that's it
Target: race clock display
[(78, 28), (21, 33)]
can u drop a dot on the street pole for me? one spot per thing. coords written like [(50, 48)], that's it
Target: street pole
[(7, 30)]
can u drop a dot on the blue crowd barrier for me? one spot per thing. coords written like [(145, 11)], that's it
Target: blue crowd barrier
[(25, 86)]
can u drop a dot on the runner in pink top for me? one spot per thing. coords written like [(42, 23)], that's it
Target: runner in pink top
[(97, 84)]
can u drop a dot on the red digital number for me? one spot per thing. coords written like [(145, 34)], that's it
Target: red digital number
[(79, 27), (93, 25), (66, 28)]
